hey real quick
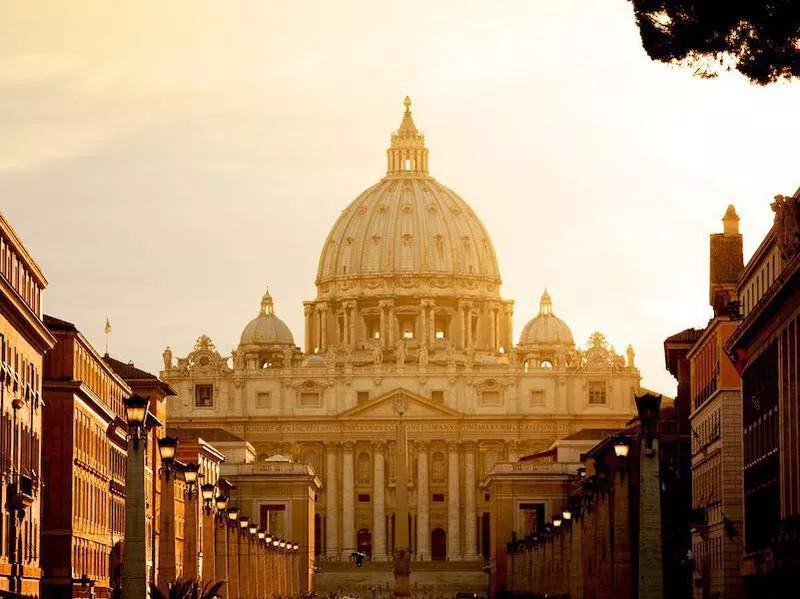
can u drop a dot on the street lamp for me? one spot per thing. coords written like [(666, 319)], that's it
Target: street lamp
[(167, 446), (296, 547), (253, 528), (283, 544), (243, 522), (566, 514), (135, 414), (268, 539), (276, 542), (207, 493), (621, 446), (648, 406), (233, 515), (557, 522), (261, 534)]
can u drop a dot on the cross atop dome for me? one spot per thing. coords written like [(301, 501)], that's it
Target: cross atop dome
[(407, 155)]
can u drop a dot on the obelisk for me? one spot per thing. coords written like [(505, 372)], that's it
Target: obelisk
[(402, 557)]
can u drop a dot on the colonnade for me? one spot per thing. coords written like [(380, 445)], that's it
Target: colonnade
[(348, 324), (341, 498)]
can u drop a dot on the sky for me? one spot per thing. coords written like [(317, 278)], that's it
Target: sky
[(165, 161)]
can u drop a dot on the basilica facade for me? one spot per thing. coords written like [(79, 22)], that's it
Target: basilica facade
[(408, 313)]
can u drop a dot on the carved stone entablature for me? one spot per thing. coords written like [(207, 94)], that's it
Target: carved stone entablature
[(499, 384), (204, 360)]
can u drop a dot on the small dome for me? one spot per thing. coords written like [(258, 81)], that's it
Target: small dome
[(266, 328), (546, 328)]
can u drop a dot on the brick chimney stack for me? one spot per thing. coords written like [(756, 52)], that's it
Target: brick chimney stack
[(726, 264)]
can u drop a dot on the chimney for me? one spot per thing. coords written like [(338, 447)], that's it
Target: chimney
[(726, 264)]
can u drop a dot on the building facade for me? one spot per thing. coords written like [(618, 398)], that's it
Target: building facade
[(716, 417), (24, 339), (408, 310), (764, 349), (83, 466)]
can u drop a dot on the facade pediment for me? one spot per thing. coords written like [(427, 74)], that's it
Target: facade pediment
[(387, 406)]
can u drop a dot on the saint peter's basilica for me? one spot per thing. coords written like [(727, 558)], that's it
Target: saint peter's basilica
[(408, 311)]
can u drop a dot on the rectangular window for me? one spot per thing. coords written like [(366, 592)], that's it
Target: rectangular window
[(597, 392), (362, 397), (437, 396), (363, 497), (309, 400), (490, 398), (537, 398), (438, 498), (204, 396), (264, 400)]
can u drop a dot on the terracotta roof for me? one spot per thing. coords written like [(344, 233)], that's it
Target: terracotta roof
[(56, 324), (129, 372), (211, 435), (685, 336)]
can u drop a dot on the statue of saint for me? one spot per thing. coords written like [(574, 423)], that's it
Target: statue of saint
[(423, 356), (631, 357), (400, 352), (288, 353), (167, 355), (238, 359), (377, 355), (451, 354)]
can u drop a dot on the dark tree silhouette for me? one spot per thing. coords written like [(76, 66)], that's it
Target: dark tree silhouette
[(758, 38)]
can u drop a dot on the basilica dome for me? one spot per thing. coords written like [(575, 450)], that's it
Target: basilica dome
[(266, 328), (409, 226), (546, 328)]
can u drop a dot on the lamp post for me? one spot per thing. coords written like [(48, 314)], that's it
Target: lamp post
[(191, 542), (621, 567), (269, 572), (134, 566), (232, 533), (167, 558), (651, 569), (244, 557), (220, 540)]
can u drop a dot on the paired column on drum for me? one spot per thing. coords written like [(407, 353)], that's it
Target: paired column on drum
[(379, 502), (453, 504), (348, 500), (470, 515), (332, 501), (423, 505)]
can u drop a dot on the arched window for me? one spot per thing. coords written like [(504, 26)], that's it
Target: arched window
[(363, 468), (437, 467)]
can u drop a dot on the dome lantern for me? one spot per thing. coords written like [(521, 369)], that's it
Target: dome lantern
[(545, 304), (407, 154)]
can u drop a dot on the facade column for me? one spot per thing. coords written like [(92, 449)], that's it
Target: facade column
[(423, 503), (509, 325), (470, 515), (323, 328), (492, 314), (453, 504), (384, 333), (353, 317), (379, 503), (331, 502), (432, 324), (348, 505), (308, 312), (468, 324)]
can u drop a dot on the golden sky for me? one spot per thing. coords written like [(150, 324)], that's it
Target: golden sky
[(164, 161)]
